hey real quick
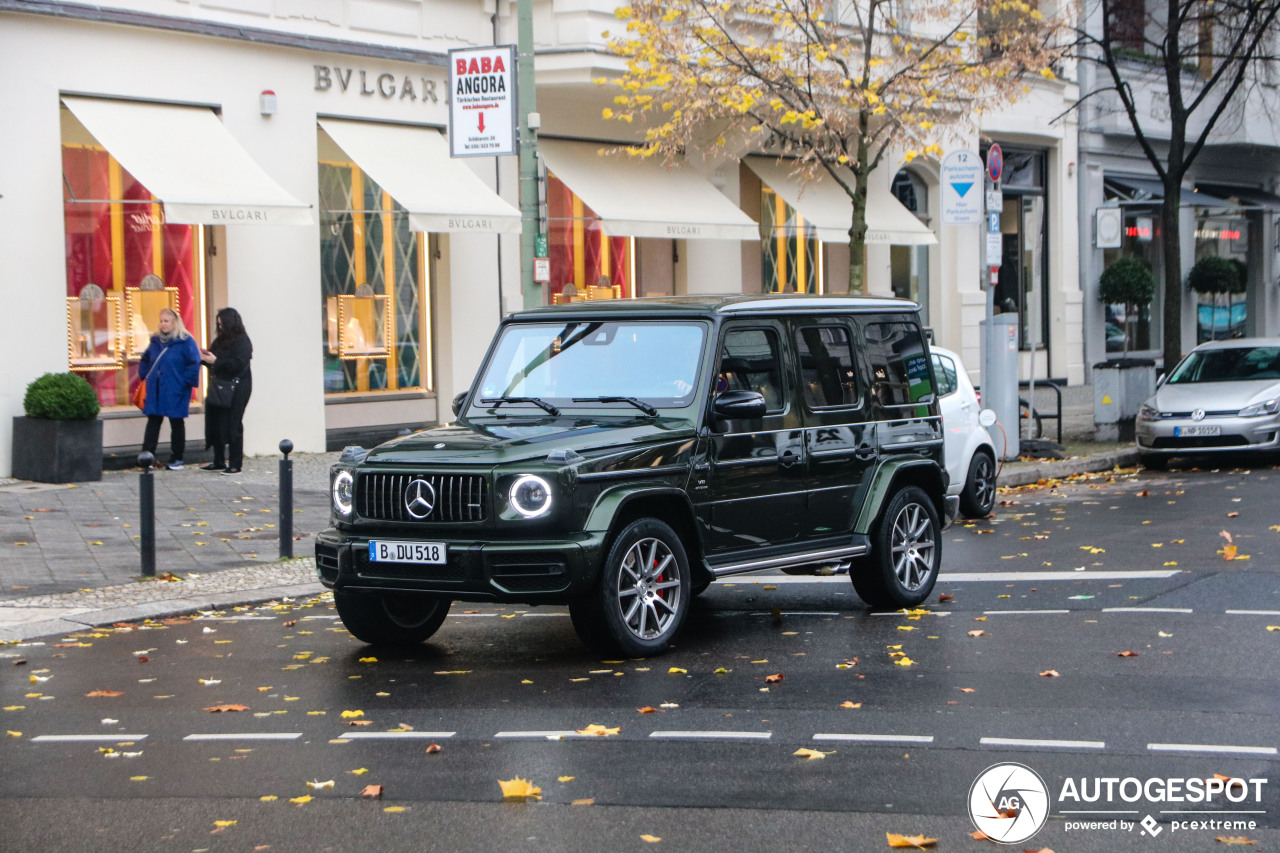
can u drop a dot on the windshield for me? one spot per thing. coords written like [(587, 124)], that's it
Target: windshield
[(569, 365), (1228, 365)]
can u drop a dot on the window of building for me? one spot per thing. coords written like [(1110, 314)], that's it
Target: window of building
[(1223, 315), (1024, 262), (585, 261), (374, 286), (909, 265), (827, 372), (749, 361), (791, 255), (1140, 240), (124, 263)]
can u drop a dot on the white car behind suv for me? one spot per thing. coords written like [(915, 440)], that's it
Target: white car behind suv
[(969, 450)]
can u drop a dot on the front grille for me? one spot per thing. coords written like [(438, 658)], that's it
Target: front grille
[(1198, 441), (458, 497), (1221, 413)]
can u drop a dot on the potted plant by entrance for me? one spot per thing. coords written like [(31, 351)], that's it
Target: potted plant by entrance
[(1120, 386), (1215, 276), (60, 438)]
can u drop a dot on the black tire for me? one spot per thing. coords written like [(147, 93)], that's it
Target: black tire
[(643, 594), (390, 618), (1154, 461), (979, 495), (906, 551)]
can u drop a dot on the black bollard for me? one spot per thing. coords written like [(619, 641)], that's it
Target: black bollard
[(147, 512), (286, 501)]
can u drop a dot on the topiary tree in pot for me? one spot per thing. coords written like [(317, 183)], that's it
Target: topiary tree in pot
[(1130, 282), (59, 440), (1216, 276)]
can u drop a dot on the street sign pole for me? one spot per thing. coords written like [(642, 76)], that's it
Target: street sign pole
[(527, 106)]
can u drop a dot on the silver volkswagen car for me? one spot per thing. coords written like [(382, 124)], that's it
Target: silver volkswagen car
[(1223, 396)]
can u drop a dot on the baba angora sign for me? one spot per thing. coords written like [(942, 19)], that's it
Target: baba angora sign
[(482, 101)]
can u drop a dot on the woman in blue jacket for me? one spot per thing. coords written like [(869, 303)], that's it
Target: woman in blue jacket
[(171, 368)]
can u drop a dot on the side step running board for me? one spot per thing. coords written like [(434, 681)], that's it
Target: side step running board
[(839, 556)]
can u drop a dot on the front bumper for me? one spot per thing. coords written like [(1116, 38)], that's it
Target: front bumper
[(543, 570), (1158, 437)]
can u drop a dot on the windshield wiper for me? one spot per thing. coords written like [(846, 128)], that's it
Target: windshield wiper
[(542, 404), (639, 404)]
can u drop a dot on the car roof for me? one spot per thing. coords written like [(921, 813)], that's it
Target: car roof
[(723, 304), (1239, 343)]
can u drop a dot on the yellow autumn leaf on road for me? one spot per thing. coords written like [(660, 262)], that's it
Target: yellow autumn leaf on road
[(359, 771), (812, 754), (652, 839), (1234, 840), (301, 801), (394, 809), (675, 670), (850, 704), (269, 798), (13, 733), (320, 786), (599, 730), (566, 778), (347, 715), (368, 660), (519, 789), (223, 824), (903, 661), (919, 842)]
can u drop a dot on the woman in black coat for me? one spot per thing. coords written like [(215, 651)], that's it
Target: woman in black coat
[(228, 358)]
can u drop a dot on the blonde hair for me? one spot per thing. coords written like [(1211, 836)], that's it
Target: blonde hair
[(179, 330)]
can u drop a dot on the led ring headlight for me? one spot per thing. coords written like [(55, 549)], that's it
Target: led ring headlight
[(343, 492), (531, 496)]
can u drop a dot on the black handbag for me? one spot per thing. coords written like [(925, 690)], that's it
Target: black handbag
[(221, 392)]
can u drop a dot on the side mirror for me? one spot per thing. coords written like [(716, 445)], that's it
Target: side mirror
[(1161, 378), (733, 405), (458, 401), (987, 418)]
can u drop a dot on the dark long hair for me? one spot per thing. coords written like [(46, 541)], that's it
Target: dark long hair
[(230, 326)]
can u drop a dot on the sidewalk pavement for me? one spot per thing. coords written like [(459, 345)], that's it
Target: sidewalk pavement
[(69, 554)]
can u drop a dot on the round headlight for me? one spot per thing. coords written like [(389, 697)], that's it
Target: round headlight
[(531, 496), (343, 491)]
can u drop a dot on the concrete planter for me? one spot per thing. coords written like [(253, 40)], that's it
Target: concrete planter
[(57, 451), (1120, 387)]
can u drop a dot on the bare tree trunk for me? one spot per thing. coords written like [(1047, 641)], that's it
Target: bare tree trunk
[(1172, 245), (858, 224)]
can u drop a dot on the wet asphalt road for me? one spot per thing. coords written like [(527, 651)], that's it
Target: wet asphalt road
[(503, 690)]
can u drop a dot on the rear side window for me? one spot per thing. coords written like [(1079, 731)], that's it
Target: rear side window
[(826, 366), (944, 369), (900, 368), (750, 361)]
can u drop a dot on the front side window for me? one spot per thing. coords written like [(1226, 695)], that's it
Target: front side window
[(572, 365), (945, 371), (750, 361), (827, 372), (123, 264), (899, 366)]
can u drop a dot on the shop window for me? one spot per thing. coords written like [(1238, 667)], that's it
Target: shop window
[(586, 263), (1024, 259), (124, 263), (1223, 315), (374, 286), (791, 253), (1140, 240), (909, 265)]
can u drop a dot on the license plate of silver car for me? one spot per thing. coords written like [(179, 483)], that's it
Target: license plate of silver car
[(407, 552), (1192, 431)]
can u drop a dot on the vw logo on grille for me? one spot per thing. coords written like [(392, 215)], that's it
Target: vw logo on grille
[(419, 498), (1197, 415)]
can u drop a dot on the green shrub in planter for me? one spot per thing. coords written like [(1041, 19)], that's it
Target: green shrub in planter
[(60, 397), (1129, 281), (60, 438)]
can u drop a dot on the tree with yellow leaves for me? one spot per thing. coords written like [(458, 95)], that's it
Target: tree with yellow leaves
[(831, 85)]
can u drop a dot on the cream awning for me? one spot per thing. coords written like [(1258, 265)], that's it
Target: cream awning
[(828, 208), (413, 165), (643, 198), (188, 159)]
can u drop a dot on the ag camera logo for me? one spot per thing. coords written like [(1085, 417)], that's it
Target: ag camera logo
[(1009, 802)]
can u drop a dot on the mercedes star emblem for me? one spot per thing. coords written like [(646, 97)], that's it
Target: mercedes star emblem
[(1197, 415), (419, 498)]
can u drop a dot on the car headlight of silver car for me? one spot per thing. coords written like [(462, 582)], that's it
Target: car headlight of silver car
[(342, 489), (1148, 413), (531, 496), (1266, 407)]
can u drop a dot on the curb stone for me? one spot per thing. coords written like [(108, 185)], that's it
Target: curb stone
[(1027, 473)]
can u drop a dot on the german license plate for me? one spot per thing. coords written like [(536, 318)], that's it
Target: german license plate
[(407, 552), (1197, 430)]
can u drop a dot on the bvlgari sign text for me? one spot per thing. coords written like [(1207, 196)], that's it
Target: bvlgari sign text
[(375, 84)]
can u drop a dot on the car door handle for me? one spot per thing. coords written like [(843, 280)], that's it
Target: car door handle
[(787, 459), (866, 452)]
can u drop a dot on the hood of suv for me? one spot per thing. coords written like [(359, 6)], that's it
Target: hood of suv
[(499, 442)]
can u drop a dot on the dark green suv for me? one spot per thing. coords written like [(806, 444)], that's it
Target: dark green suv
[(618, 456)]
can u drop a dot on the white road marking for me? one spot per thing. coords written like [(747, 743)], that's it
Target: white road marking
[(1204, 747), (901, 613), (234, 619), (245, 736), (543, 614), (547, 735), (711, 735), (869, 738), (1063, 744), (84, 738), (976, 577), (1021, 612), (1254, 612), (309, 618), (1147, 610), (396, 735)]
